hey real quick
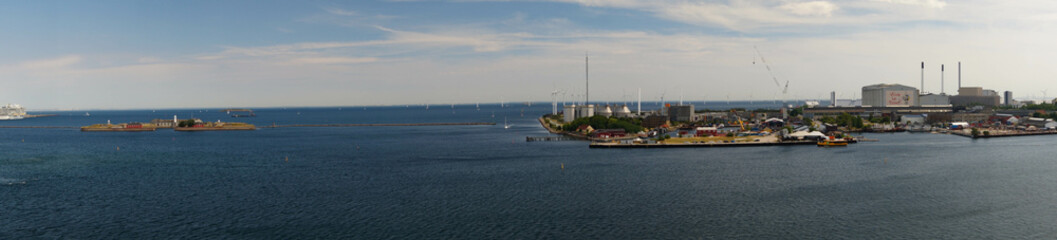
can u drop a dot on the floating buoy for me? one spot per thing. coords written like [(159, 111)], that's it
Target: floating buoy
[(119, 148), (287, 159), (563, 166)]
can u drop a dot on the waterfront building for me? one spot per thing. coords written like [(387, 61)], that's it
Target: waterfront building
[(1008, 98), (707, 131), (1040, 123), (164, 123), (609, 133), (890, 95), (654, 121), (573, 112), (913, 119), (680, 113)]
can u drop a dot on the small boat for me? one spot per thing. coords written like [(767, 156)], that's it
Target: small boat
[(831, 143)]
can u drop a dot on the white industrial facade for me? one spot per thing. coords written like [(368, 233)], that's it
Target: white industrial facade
[(890, 95), (572, 112)]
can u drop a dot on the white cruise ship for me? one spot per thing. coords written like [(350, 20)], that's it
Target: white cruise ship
[(12, 112)]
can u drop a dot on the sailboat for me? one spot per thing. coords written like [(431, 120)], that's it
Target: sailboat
[(505, 125)]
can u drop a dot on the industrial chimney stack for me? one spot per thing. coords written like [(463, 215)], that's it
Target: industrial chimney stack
[(922, 77)]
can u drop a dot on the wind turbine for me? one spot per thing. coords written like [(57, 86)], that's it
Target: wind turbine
[(554, 102)]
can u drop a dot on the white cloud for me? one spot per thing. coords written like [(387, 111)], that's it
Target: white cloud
[(341, 12), (331, 60), (439, 63), (923, 3), (54, 63), (813, 8)]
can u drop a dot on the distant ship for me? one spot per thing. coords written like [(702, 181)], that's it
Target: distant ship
[(12, 112)]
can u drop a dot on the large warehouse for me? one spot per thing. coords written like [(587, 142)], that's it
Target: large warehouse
[(889, 95)]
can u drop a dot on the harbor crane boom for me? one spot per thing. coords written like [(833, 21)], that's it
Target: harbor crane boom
[(769, 71)]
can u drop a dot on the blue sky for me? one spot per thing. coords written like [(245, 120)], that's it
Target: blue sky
[(135, 54)]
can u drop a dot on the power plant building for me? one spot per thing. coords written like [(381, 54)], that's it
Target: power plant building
[(976, 96), (890, 95)]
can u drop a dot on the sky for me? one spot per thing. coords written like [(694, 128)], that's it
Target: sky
[(206, 54)]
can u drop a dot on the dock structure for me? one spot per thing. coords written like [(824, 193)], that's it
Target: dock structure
[(549, 138), (1004, 134), (380, 125), (685, 145)]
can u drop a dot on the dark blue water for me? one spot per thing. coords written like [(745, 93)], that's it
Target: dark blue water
[(486, 182)]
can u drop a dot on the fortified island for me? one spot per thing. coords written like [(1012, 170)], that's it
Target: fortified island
[(186, 125)]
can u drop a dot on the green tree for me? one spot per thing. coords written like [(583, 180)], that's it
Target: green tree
[(807, 121), (186, 123), (796, 111)]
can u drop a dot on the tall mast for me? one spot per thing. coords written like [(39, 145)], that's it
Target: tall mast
[(587, 80)]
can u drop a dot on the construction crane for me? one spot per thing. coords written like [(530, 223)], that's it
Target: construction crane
[(773, 77), (740, 122)]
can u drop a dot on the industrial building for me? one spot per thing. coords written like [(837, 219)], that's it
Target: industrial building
[(890, 95), (572, 112), (879, 111), (976, 96), (680, 113), (623, 112), (934, 100)]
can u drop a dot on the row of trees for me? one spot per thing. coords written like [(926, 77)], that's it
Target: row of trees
[(1040, 115), (630, 125), (844, 120)]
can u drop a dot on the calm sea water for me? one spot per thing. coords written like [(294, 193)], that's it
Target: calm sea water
[(487, 182)]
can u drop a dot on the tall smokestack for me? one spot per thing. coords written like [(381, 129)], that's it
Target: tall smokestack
[(587, 81), (922, 77), (959, 75), (941, 79)]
